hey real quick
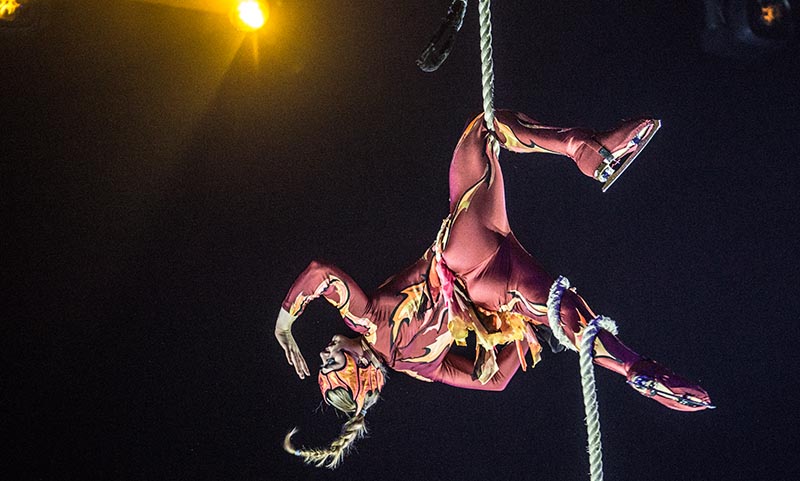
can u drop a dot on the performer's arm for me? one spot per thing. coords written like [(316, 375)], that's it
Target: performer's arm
[(339, 289), (283, 333), (457, 370)]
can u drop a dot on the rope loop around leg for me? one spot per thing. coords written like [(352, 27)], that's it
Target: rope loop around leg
[(554, 311)]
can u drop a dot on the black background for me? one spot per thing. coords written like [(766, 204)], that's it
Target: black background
[(165, 178)]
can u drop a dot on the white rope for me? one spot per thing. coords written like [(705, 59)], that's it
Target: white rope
[(595, 447), (487, 71), (561, 284), (590, 394), (554, 311)]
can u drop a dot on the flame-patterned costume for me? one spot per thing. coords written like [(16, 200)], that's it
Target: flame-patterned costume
[(476, 276)]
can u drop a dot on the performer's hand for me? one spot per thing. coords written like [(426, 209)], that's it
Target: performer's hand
[(283, 332)]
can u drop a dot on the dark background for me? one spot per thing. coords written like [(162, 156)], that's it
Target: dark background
[(165, 178)]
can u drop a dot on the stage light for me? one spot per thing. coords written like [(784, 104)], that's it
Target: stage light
[(249, 15), (769, 18), (8, 9), (749, 31), (23, 17), (770, 13)]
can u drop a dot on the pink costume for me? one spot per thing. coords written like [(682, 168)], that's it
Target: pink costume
[(408, 321)]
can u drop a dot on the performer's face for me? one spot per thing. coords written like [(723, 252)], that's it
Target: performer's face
[(333, 355)]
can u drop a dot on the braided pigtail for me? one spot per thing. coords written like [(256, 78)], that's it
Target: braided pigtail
[(332, 456), (351, 389)]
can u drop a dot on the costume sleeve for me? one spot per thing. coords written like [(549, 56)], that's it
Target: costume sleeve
[(457, 370), (339, 289)]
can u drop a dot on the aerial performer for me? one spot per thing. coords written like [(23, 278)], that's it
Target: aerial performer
[(475, 277)]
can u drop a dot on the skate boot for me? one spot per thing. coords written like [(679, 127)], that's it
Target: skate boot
[(655, 381), (619, 148)]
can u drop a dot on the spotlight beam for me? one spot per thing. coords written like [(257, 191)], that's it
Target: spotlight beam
[(213, 6), (246, 16)]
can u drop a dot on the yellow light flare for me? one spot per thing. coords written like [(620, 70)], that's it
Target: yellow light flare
[(250, 15), (8, 9)]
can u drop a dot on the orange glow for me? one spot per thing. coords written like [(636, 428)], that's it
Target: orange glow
[(8, 9), (770, 14)]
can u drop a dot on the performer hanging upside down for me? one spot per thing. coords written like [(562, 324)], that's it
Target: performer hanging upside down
[(475, 277)]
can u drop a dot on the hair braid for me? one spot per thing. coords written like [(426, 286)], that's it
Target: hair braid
[(332, 456)]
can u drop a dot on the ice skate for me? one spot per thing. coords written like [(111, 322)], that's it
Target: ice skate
[(620, 147), (662, 385)]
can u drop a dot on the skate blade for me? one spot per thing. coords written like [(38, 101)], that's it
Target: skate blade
[(651, 388), (642, 144)]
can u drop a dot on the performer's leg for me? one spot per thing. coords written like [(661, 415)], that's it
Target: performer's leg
[(648, 377), (477, 201), (610, 352), (477, 181), (528, 280), (589, 149), (482, 230)]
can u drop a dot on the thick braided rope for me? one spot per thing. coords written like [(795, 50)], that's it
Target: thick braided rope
[(557, 290), (595, 447), (487, 70)]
